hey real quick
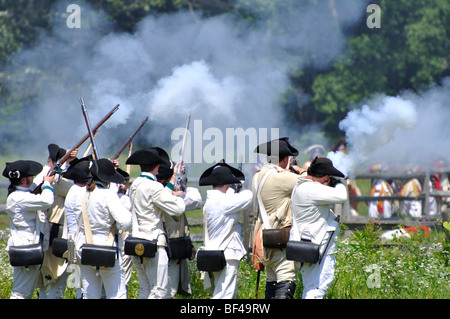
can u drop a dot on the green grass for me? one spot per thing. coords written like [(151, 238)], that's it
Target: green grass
[(416, 268)]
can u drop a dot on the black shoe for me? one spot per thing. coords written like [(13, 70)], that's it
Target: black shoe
[(271, 287), (285, 290)]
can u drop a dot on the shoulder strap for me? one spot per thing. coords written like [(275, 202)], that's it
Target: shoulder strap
[(258, 188), (294, 219), (87, 224), (135, 225)]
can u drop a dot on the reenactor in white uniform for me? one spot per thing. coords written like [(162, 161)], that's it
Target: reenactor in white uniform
[(222, 228), (53, 269), (79, 173), (316, 222), (150, 201), (177, 229), (26, 222), (106, 216)]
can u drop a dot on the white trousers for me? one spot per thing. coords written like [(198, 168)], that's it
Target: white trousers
[(317, 278), (24, 281), (153, 275), (279, 268), (225, 281), (174, 279), (112, 279), (54, 289)]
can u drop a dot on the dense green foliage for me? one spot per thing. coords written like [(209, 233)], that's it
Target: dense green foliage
[(409, 51)]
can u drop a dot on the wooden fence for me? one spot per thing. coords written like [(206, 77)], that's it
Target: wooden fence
[(357, 222)]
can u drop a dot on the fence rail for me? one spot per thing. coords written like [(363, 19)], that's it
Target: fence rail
[(357, 222), (425, 196)]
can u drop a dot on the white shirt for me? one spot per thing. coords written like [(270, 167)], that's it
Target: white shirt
[(222, 221), (72, 206), (192, 199), (22, 207), (150, 201), (310, 208), (105, 209)]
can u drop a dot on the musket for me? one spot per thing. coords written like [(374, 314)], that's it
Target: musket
[(238, 186), (258, 277), (88, 148), (128, 141), (63, 159), (88, 126), (180, 178)]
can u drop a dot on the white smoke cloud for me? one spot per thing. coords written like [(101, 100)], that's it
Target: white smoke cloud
[(409, 129), (192, 88), (225, 73)]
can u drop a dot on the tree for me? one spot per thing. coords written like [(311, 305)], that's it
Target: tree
[(19, 22), (409, 51)]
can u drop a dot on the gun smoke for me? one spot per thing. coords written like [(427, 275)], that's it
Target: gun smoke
[(409, 130), (221, 70), (224, 71)]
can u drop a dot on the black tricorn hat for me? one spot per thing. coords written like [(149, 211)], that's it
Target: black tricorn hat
[(280, 148), (166, 170), (149, 156), (21, 168), (55, 152), (104, 171), (221, 174), (123, 173), (78, 170), (324, 166)]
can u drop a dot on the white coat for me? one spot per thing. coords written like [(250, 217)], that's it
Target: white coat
[(72, 206), (224, 232), (22, 207), (26, 222), (311, 209), (314, 219), (222, 212), (106, 210), (150, 201)]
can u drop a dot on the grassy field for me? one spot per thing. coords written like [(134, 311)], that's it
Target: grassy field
[(414, 268)]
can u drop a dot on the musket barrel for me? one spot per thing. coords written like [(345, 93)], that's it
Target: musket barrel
[(128, 141), (88, 126), (94, 129), (179, 177)]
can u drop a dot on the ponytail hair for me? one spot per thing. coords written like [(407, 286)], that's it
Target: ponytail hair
[(90, 184), (12, 186)]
